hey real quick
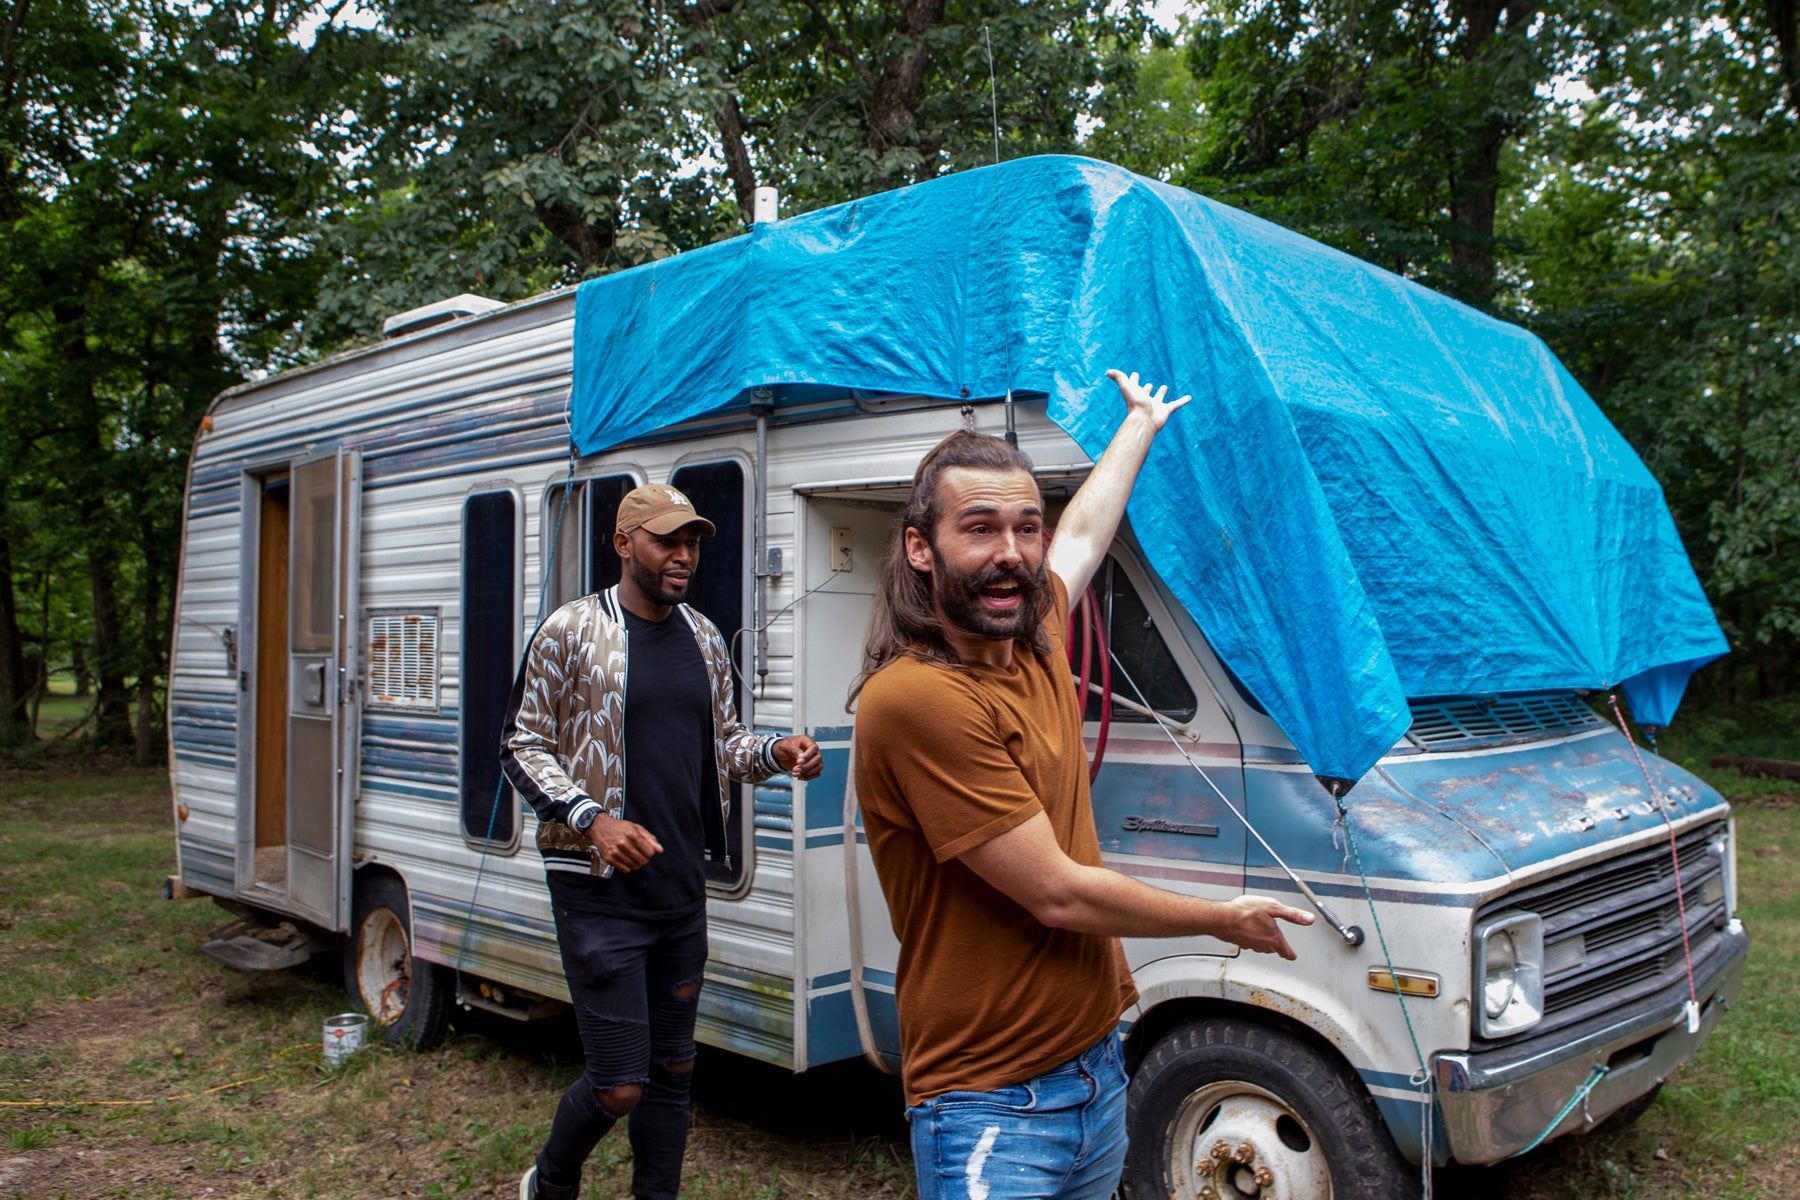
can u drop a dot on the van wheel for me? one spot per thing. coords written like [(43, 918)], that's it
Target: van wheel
[(1223, 1108), (408, 999)]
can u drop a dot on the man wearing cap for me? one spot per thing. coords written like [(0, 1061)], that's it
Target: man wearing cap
[(619, 732)]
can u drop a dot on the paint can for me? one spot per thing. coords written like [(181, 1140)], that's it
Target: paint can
[(343, 1037)]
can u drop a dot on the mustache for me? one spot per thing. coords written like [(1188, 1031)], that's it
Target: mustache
[(994, 574)]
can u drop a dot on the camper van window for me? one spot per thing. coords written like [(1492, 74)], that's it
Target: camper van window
[(1133, 637), (717, 490), (602, 506), (488, 655)]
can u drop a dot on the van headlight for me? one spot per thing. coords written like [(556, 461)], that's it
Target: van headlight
[(1509, 973)]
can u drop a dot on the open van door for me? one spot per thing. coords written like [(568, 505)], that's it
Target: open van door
[(302, 783), (321, 693)]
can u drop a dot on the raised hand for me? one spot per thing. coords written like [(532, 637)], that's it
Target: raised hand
[(1140, 399)]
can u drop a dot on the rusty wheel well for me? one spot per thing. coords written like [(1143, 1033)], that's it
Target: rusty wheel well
[(1156, 1023)]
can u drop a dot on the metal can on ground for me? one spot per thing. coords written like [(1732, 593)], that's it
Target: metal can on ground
[(343, 1037)]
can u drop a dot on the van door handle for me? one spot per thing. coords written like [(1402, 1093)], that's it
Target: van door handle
[(315, 684)]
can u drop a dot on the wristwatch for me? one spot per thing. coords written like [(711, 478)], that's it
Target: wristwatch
[(580, 824)]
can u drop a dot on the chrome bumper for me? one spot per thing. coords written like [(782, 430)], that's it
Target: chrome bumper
[(1495, 1103)]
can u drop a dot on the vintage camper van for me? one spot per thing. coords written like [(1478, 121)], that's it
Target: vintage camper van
[(1507, 955)]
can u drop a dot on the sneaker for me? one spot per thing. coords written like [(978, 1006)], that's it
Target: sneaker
[(528, 1184)]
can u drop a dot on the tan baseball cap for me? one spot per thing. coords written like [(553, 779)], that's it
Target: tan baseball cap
[(659, 508)]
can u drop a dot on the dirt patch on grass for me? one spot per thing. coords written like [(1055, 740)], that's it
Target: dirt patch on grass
[(1771, 800), (220, 1093)]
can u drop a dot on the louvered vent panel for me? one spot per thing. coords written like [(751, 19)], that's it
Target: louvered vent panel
[(403, 665), (1469, 721)]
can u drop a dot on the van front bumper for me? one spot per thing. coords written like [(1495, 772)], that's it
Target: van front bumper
[(1496, 1102)]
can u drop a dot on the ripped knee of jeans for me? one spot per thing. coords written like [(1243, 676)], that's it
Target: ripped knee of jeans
[(687, 990), (620, 1098)]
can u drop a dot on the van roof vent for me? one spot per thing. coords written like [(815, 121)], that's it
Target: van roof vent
[(1464, 721), (415, 319)]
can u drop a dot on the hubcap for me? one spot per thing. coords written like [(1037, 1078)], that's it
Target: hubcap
[(1232, 1140), (383, 966)]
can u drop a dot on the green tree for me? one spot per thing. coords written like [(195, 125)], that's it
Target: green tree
[(1662, 246), (834, 101), (525, 146), (1378, 126), (158, 250), (1622, 179)]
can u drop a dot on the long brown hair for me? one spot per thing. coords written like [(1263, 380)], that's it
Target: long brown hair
[(904, 619)]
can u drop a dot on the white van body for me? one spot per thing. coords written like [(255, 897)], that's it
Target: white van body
[(324, 759)]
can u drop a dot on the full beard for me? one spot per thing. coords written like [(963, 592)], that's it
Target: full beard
[(958, 596), (655, 586)]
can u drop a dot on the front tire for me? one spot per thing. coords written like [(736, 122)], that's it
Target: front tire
[(408, 999), (1226, 1108)]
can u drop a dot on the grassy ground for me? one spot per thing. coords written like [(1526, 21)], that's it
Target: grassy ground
[(165, 1074), (170, 1075)]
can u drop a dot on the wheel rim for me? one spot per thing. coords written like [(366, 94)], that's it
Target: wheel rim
[(383, 966), (1232, 1140)]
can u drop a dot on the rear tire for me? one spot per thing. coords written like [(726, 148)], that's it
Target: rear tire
[(407, 999), (1311, 1130)]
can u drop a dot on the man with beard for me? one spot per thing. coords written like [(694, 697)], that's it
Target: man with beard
[(973, 784), (620, 732)]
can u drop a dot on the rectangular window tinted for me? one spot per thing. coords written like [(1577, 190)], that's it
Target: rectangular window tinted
[(1139, 648), (488, 657), (603, 496), (717, 492)]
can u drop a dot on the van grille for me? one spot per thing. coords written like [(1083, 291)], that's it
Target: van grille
[(1625, 914), (1464, 721)]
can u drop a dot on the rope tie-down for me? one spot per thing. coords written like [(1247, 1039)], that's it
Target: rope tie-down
[(1420, 1079), (1692, 1008)]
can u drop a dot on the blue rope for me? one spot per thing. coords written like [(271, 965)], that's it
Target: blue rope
[(1426, 1149), (1581, 1093), (568, 486)]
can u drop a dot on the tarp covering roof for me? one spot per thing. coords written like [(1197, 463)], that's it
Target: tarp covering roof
[(1376, 493)]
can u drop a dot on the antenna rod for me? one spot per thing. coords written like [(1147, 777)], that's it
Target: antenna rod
[(993, 95), (1012, 433)]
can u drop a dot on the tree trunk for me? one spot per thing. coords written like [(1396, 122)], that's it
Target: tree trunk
[(15, 721), (112, 700), (894, 99), (1787, 41), (1475, 176), (151, 655), (737, 155), (1474, 194)]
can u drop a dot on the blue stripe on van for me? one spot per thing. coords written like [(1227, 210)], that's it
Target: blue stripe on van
[(831, 1033), (207, 865), (446, 792)]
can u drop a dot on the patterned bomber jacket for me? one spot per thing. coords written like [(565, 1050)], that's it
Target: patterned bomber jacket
[(563, 744)]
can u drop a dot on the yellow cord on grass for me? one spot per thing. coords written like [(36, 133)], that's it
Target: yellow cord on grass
[(157, 1099)]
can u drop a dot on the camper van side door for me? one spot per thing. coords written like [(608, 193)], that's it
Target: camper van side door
[(321, 704)]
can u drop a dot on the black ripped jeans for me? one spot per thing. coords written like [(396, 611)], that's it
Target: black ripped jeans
[(635, 987)]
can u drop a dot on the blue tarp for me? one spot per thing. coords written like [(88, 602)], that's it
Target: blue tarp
[(1377, 492)]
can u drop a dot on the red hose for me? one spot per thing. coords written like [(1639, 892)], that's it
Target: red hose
[(1093, 636), (1105, 689)]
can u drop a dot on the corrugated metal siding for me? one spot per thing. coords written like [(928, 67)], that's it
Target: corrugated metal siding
[(478, 408)]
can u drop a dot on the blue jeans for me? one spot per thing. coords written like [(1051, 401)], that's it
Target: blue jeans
[(1059, 1135)]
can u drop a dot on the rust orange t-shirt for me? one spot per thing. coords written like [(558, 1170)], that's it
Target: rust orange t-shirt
[(945, 761)]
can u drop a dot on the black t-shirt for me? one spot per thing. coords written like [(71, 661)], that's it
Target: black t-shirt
[(671, 782)]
